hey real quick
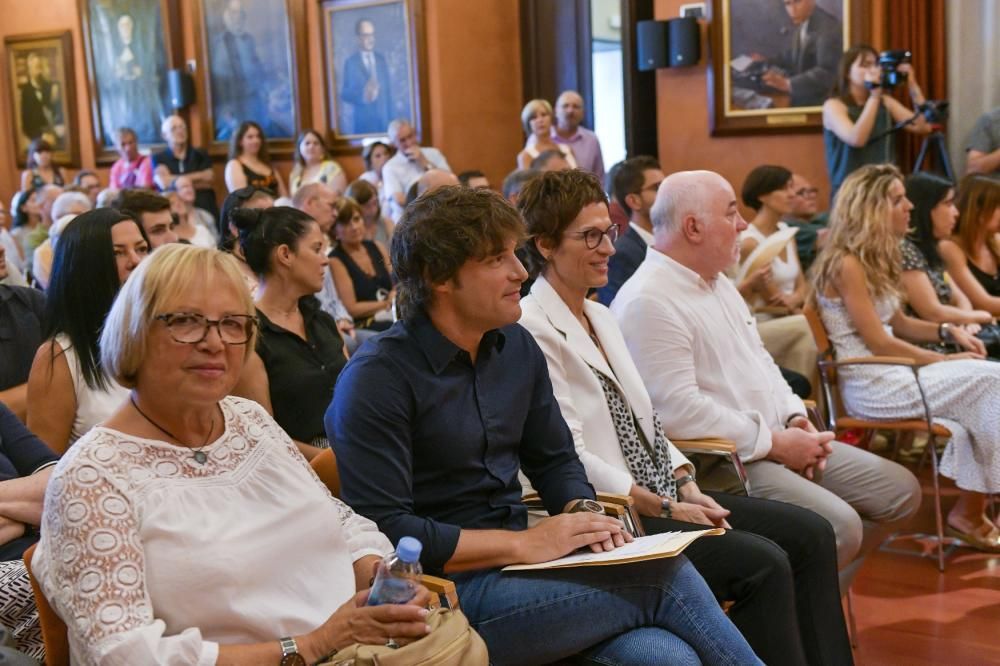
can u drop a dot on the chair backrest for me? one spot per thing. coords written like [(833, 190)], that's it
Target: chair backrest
[(827, 371), (54, 632)]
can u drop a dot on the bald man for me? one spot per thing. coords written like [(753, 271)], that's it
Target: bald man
[(707, 372), (568, 130)]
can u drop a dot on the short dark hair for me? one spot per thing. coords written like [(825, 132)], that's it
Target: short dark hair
[(235, 150), (762, 181), (925, 191), (466, 176), (628, 176), (550, 203), (83, 285), (38, 145), (135, 202), (22, 198), (515, 181), (366, 154), (233, 201), (442, 230), (345, 209), (544, 157), (263, 229)]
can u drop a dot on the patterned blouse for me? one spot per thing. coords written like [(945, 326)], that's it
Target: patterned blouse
[(914, 260)]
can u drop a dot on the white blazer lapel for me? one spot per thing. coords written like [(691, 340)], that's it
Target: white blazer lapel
[(562, 319)]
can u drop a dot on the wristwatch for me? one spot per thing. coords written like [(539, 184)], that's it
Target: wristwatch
[(586, 505), (290, 653), (944, 332), (684, 480)]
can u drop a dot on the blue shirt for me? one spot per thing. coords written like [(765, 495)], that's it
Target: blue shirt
[(429, 443)]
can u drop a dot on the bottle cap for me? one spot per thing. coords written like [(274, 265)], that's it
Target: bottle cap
[(409, 549)]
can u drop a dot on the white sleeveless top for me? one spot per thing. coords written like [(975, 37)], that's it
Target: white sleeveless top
[(93, 406), (784, 272)]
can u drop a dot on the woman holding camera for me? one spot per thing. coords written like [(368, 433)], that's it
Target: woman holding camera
[(858, 115)]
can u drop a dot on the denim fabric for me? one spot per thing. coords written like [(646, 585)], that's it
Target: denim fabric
[(653, 612)]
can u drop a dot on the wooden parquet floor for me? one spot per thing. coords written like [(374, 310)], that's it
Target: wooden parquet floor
[(908, 613)]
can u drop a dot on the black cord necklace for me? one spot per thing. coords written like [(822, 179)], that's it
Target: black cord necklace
[(199, 456)]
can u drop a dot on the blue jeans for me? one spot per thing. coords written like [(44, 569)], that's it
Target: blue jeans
[(652, 612)]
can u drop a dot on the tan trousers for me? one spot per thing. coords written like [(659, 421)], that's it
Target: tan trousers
[(790, 343)]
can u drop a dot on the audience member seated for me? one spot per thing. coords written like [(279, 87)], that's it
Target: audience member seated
[(361, 270), (320, 203), (69, 391), (194, 225), (9, 243), (300, 351), (181, 473), (131, 169), (624, 450), (550, 160), (90, 183), (378, 227), (27, 215), (25, 467), (64, 209), (569, 131), (856, 280), (474, 178), (982, 148), (23, 324), (805, 216), (375, 155), (407, 165), (858, 117), (46, 198), (928, 292), (706, 370), (313, 164), (41, 169), (179, 158), (633, 184), (536, 119), (106, 197), (152, 211), (444, 409), (514, 183), (249, 162), (245, 197), (972, 255)]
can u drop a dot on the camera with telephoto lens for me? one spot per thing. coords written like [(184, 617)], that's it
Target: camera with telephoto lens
[(889, 62)]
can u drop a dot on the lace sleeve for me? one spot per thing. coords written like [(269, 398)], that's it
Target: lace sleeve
[(92, 567)]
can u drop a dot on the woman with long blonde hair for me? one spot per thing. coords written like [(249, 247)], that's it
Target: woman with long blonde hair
[(856, 281)]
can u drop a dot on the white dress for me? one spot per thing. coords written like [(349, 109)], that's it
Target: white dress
[(150, 557), (93, 406), (964, 396)]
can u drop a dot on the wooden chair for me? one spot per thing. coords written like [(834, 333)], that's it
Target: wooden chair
[(838, 420)]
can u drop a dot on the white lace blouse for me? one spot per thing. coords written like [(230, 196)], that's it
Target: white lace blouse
[(150, 557)]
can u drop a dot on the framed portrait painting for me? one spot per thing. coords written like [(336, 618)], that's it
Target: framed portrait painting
[(774, 62), (252, 68), (372, 65), (127, 67), (42, 96)]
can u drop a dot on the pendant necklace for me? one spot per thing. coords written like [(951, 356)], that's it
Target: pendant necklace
[(197, 454)]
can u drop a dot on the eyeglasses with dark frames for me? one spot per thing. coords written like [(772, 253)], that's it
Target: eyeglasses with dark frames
[(807, 192), (593, 236), (190, 328)]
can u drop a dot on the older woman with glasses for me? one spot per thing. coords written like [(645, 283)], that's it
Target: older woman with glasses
[(185, 528)]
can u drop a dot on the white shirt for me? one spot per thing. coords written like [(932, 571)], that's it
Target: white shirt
[(150, 557), (697, 348), (399, 173)]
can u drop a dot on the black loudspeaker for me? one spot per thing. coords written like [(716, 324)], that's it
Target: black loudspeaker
[(684, 41), (651, 45), (180, 88)]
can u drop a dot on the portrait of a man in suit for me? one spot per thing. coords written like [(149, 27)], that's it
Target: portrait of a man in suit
[(807, 67), (39, 102), (367, 87)]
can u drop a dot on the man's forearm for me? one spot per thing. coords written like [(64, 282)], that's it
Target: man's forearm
[(203, 178), (984, 162), (21, 499), (485, 549)]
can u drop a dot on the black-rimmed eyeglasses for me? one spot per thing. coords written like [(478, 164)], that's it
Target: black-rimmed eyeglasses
[(593, 237), (190, 328)]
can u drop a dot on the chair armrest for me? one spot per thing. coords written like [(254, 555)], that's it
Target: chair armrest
[(706, 445), (617, 506), (809, 404), (874, 360), (612, 498), (443, 589)]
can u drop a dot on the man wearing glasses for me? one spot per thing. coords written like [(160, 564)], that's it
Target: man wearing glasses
[(805, 215)]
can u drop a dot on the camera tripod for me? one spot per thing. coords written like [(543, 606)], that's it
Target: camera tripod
[(935, 141)]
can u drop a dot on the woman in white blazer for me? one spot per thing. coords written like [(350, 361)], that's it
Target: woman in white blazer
[(778, 563)]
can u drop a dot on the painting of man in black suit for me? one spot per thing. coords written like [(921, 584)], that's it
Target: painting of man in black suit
[(807, 68), (367, 87), (39, 100)]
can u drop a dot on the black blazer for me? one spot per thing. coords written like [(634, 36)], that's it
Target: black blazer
[(369, 117), (630, 250)]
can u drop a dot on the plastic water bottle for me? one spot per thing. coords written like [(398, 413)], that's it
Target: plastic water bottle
[(398, 574)]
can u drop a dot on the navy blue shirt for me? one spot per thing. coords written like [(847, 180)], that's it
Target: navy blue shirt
[(429, 444)]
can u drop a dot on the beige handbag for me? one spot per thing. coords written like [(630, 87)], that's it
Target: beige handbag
[(452, 642)]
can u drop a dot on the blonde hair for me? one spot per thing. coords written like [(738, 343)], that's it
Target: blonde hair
[(859, 227), (529, 110), (159, 281)]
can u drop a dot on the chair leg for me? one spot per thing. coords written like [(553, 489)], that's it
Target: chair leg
[(932, 448), (852, 627)]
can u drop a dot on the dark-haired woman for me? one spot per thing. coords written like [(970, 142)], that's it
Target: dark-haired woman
[(313, 164), (858, 115), (972, 255), (361, 270), (378, 227), (245, 197), (929, 294), (41, 171), (27, 212), (300, 346), (249, 162), (68, 390)]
